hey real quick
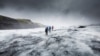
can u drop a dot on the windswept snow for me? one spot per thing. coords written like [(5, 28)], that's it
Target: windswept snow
[(72, 41)]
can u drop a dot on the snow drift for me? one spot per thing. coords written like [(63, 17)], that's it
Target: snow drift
[(71, 41)]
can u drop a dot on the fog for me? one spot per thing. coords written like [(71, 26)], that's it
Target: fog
[(53, 12)]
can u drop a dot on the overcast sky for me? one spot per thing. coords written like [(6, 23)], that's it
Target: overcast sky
[(57, 12)]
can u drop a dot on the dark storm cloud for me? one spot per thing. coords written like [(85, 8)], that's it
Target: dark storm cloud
[(21, 4), (85, 6), (89, 8), (1, 3)]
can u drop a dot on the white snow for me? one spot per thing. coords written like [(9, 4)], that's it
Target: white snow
[(61, 41)]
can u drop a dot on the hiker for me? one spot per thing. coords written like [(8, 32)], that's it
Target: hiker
[(52, 28), (49, 28), (46, 30)]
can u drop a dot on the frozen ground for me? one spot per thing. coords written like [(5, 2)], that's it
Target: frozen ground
[(70, 41)]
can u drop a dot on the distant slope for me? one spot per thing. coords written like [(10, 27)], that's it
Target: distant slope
[(10, 23)]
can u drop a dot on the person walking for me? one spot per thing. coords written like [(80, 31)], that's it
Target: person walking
[(52, 28), (46, 30), (49, 28)]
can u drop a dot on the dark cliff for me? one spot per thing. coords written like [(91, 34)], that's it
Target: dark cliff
[(10, 23)]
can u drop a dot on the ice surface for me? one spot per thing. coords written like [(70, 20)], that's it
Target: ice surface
[(62, 41)]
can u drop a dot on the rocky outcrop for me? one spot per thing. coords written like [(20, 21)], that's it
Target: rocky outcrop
[(10, 23)]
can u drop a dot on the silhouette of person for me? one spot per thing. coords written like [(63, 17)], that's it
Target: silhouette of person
[(52, 28), (49, 28), (46, 30)]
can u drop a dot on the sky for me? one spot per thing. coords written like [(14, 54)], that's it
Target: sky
[(53, 12)]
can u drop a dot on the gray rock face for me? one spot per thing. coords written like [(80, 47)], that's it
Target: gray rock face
[(10, 23)]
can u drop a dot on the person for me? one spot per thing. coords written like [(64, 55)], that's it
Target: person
[(49, 28), (46, 30), (52, 28)]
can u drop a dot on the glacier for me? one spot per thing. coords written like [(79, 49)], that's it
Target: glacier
[(67, 41)]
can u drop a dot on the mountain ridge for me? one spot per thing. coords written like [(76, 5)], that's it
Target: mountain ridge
[(12, 23)]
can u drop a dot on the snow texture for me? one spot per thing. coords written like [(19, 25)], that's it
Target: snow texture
[(72, 41)]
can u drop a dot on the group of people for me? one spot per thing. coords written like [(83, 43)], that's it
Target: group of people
[(48, 29)]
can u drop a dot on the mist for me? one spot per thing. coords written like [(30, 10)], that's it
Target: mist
[(53, 12)]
